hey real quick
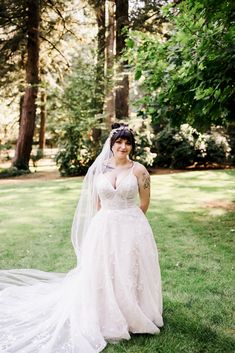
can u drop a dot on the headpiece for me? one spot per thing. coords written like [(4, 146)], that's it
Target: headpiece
[(122, 127)]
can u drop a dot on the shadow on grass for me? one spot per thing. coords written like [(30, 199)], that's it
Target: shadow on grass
[(188, 332), (180, 334)]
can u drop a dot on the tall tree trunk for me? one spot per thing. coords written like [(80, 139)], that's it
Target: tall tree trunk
[(100, 18), (42, 130), (21, 108), (100, 66), (27, 125), (122, 79), (109, 65)]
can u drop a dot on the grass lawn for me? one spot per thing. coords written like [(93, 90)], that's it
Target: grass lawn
[(193, 218)]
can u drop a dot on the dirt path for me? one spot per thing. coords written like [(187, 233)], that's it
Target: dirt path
[(46, 170), (53, 173)]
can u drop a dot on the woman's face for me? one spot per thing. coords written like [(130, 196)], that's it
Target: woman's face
[(121, 148)]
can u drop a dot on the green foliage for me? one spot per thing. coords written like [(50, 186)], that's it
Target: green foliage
[(172, 150), (143, 138), (36, 156), (79, 122), (77, 144), (5, 150), (12, 172), (13, 43), (188, 78), (180, 148), (231, 134), (77, 149), (59, 37), (148, 17)]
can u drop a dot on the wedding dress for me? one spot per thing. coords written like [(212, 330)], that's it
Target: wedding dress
[(115, 290)]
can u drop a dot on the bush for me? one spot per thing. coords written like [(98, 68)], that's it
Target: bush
[(36, 156), (175, 149), (78, 145), (231, 134), (181, 148), (78, 150), (12, 172), (5, 150), (185, 76), (143, 139)]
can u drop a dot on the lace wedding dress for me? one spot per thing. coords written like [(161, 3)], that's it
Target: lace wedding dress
[(115, 290)]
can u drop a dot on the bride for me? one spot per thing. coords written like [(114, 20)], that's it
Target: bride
[(115, 289)]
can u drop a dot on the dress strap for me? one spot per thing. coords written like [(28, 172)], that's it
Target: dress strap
[(133, 166)]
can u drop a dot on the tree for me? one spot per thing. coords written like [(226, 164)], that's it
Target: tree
[(122, 80), (20, 53), (99, 8), (150, 18), (42, 140), (109, 57), (27, 121), (110, 45), (188, 76), (78, 148)]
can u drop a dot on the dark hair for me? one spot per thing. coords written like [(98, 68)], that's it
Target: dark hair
[(123, 132)]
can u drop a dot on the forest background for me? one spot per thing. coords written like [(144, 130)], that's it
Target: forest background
[(71, 68)]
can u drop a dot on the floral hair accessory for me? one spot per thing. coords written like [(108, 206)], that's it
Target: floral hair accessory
[(122, 127)]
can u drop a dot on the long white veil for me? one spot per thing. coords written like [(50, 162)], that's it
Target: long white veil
[(87, 205), (85, 210)]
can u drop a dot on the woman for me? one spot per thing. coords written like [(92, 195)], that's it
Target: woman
[(115, 288)]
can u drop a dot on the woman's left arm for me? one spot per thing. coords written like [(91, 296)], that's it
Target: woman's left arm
[(144, 187)]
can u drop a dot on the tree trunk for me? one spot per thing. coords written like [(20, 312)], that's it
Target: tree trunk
[(21, 108), (42, 130), (27, 125), (122, 79), (100, 18), (109, 65), (100, 69)]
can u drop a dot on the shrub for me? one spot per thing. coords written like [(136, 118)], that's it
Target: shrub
[(12, 172), (78, 150), (143, 138), (5, 150), (81, 116), (180, 148)]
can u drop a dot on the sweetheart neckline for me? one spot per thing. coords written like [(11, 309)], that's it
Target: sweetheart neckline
[(117, 187)]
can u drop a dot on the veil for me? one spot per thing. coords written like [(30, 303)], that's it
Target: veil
[(87, 204)]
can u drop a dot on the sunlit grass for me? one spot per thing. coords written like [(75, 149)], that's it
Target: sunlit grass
[(35, 220), (194, 225)]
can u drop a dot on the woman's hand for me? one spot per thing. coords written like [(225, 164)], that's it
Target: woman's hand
[(98, 204)]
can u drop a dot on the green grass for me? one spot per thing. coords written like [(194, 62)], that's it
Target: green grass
[(194, 242)]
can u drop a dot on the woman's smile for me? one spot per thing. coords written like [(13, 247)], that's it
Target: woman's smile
[(122, 147)]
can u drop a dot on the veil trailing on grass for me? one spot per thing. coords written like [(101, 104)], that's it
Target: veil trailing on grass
[(86, 208), (87, 205)]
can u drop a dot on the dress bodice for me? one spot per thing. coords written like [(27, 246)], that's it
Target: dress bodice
[(123, 196)]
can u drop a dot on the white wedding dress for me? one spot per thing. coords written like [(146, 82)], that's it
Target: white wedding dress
[(115, 290)]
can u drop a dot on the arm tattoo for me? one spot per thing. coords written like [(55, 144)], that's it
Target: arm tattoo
[(146, 180)]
